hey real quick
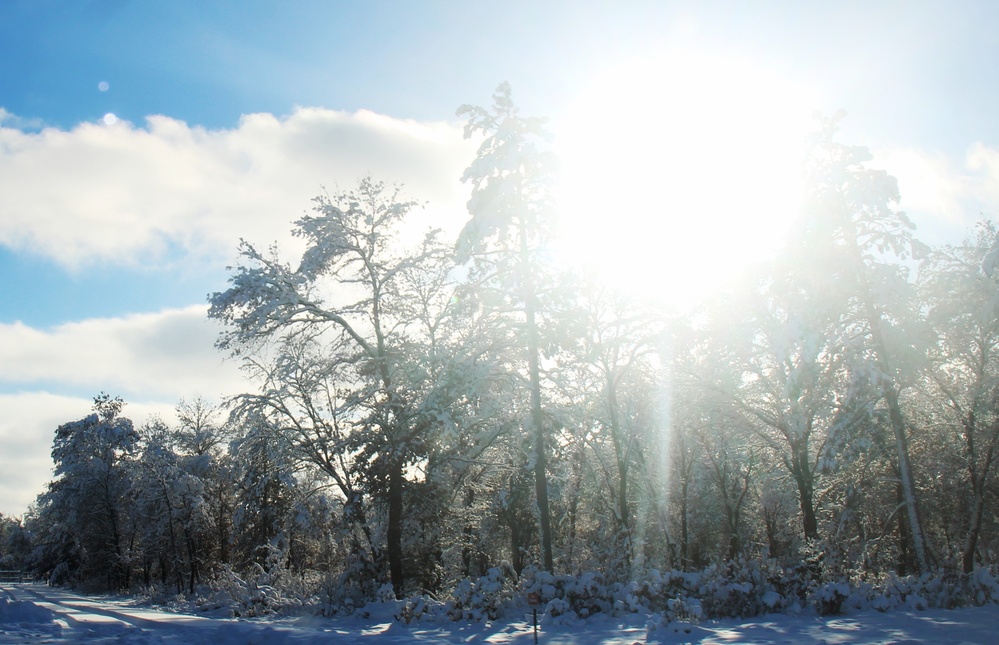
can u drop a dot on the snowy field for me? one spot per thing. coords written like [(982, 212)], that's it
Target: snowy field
[(38, 614)]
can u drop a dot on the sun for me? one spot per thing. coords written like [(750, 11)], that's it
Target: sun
[(679, 170)]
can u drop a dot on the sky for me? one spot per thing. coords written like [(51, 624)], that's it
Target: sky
[(139, 141)]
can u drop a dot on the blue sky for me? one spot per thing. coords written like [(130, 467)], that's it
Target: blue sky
[(229, 116)]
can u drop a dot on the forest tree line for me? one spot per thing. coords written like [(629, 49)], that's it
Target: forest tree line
[(423, 410)]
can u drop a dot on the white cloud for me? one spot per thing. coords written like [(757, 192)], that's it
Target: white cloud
[(127, 194), (150, 360), (27, 428), (945, 196), (169, 355)]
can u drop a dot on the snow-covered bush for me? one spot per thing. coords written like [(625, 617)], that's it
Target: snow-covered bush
[(60, 575), (653, 594), (829, 597), (737, 589), (249, 596), (485, 598), (420, 608), (983, 587), (535, 580), (586, 594), (569, 596), (386, 593), (945, 589)]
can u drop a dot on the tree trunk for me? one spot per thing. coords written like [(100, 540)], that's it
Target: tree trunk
[(974, 531), (192, 573), (684, 539), (908, 486), (516, 547), (394, 532), (801, 472), (905, 562), (537, 414), (890, 388), (620, 453), (468, 536), (978, 481)]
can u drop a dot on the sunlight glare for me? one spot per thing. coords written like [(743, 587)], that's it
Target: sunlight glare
[(679, 170)]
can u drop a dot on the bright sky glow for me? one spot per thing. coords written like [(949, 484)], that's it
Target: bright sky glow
[(680, 169)]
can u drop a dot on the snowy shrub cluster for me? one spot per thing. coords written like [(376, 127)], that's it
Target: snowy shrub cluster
[(669, 594), (735, 589), (420, 608), (567, 598), (947, 589), (485, 598), (828, 598), (251, 596)]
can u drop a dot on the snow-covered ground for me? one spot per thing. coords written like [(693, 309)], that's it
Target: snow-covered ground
[(32, 613)]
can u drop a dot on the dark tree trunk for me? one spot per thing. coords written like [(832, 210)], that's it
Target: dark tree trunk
[(974, 531), (394, 532), (193, 566), (516, 547), (801, 471), (621, 457), (537, 414), (684, 538)]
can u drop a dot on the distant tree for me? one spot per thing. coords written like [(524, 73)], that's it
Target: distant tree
[(773, 351), (616, 352), (351, 294), (15, 543), (88, 502), (508, 231), (266, 494), (850, 244), (202, 428), (202, 441), (962, 301)]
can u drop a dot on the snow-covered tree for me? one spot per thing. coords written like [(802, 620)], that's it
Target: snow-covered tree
[(849, 246), (85, 511), (962, 299), (777, 357), (371, 398), (15, 543), (616, 361), (507, 234)]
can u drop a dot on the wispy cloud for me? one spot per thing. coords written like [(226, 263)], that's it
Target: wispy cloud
[(10, 120), (148, 195)]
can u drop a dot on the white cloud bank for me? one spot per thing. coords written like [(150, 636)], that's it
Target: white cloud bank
[(150, 360), (168, 354), (127, 194), (26, 432)]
